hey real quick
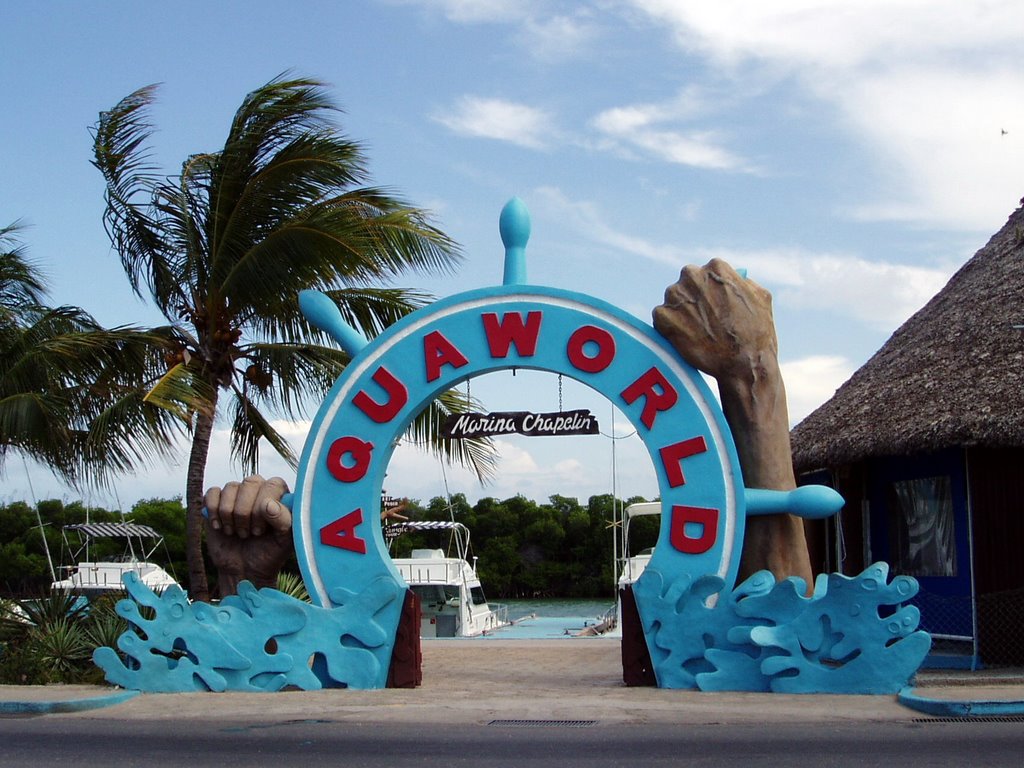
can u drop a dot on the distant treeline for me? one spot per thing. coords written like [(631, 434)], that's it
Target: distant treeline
[(525, 549)]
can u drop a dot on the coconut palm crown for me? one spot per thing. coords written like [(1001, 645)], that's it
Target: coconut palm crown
[(224, 248)]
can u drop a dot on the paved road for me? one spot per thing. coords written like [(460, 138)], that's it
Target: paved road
[(58, 740), (450, 721)]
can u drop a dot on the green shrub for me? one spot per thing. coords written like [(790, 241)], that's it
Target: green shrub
[(51, 639)]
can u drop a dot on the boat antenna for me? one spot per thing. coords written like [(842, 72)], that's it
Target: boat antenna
[(39, 519), (451, 511), (131, 545), (88, 505), (617, 504), (616, 516), (447, 493)]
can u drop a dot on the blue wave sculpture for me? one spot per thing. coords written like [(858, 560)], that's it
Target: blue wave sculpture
[(258, 640), (852, 635)]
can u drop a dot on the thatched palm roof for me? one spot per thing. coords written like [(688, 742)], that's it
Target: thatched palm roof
[(953, 374)]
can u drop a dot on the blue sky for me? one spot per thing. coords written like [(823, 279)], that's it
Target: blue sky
[(849, 154)]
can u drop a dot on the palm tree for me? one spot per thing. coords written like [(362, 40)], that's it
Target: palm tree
[(223, 249), (70, 390)]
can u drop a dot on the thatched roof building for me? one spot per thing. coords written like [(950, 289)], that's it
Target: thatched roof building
[(952, 375)]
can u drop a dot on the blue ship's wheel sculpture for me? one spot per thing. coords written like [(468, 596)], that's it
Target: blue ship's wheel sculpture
[(341, 550)]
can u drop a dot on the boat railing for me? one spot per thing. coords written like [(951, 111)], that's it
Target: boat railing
[(634, 566), (447, 572), (107, 575), (498, 616)]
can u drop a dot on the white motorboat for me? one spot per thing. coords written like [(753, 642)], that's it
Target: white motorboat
[(632, 566), (92, 578), (452, 599), (629, 568)]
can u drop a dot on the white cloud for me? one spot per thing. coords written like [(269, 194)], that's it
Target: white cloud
[(657, 130), (558, 37), (417, 474), (543, 31), (810, 381), (473, 11), (515, 460), (698, 149), (493, 118), (840, 34), (587, 220), (877, 293), (941, 133), (927, 85)]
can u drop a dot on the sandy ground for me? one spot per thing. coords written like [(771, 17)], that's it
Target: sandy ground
[(482, 681)]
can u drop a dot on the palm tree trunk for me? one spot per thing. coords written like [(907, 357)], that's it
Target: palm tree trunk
[(199, 588)]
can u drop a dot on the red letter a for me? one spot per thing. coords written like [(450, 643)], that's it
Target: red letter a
[(439, 352), (342, 533)]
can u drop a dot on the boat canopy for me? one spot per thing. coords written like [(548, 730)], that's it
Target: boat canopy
[(113, 530), (459, 532), (133, 534), (425, 525), (643, 508), (394, 530)]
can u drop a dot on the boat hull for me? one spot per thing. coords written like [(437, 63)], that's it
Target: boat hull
[(451, 598), (103, 578)]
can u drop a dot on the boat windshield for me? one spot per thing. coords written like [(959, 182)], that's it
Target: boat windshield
[(437, 594)]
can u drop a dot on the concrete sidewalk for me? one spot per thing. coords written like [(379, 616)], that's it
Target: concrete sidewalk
[(531, 680)]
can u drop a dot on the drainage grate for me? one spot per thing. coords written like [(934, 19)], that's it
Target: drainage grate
[(973, 719), (543, 723)]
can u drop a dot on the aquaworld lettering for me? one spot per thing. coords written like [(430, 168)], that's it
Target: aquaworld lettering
[(589, 349)]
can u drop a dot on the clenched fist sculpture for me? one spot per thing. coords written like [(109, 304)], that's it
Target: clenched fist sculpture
[(248, 532), (721, 323)]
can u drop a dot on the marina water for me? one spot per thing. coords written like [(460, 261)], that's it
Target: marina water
[(550, 619)]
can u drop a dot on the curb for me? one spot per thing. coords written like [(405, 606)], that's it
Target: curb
[(70, 705), (949, 708)]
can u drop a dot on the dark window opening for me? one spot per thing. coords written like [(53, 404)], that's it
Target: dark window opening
[(922, 540)]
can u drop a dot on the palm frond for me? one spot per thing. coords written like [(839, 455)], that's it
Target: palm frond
[(21, 281), (371, 310), (477, 454), (65, 386), (269, 122), (121, 155), (130, 431), (33, 423), (368, 309), (301, 374), (248, 427), (360, 237), (183, 393), (225, 247), (399, 234)]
